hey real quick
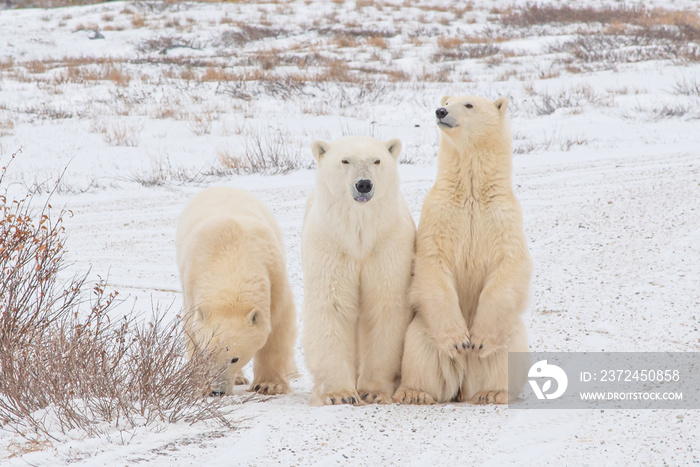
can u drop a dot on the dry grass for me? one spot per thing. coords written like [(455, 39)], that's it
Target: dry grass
[(457, 50), (549, 141), (377, 42), (201, 122), (120, 133), (665, 111), (65, 364), (7, 126), (164, 172), (615, 35)]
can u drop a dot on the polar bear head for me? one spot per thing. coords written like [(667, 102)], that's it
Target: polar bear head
[(474, 121), (358, 168), (234, 329)]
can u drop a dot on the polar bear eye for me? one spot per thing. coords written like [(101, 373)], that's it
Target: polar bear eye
[(377, 162), (345, 161), (469, 106)]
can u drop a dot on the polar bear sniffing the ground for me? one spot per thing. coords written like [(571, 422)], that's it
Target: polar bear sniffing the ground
[(357, 251), (236, 294), (472, 267)]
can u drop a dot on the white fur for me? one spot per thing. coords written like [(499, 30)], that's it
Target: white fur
[(473, 268), (357, 260), (236, 294)]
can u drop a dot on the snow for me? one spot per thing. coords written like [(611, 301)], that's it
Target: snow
[(612, 220)]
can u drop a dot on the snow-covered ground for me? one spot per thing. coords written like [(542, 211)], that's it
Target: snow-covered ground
[(609, 182)]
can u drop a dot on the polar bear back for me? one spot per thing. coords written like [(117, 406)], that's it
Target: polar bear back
[(221, 201)]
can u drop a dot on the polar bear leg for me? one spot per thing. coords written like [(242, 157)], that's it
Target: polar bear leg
[(331, 304), (383, 320), (427, 376), (486, 380), (274, 362)]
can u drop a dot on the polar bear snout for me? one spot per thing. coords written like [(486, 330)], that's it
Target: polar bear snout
[(364, 186), (444, 120), (363, 190)]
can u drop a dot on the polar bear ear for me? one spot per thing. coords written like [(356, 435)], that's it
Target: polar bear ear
[(501, 104), (318, 149), (253, 317), (443, 101), (394, 147)]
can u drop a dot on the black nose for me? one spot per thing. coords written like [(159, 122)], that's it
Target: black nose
[(234, 359), (441, 112), (364, 186)]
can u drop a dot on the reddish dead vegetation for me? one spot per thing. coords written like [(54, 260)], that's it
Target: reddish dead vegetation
[(64, 362)]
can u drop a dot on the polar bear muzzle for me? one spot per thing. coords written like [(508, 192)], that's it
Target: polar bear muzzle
[(363, 190), (444, 120)]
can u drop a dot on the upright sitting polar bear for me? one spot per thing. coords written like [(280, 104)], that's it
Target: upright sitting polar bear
[(237, 298), (472, 269), (357, 248)]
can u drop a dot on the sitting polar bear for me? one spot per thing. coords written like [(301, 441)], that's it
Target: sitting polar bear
[(236, 294), (472, 269), (357, 250)]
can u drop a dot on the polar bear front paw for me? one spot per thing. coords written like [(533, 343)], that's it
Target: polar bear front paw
[(375, 397), (270, 388), (413, 396), (454, 342), (239, 380), (486, 342), (343, 397)]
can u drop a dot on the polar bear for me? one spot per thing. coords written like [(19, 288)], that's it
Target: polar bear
[(237, 298), (357, 250), (472, 267)]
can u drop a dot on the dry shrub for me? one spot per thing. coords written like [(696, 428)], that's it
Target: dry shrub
[(685, 86), (577, 96), (64, 363), (617, 34), (686, 22), (164, 172), (666, 110), (265, 152), (536, 14), (465, 52), (163, 44), (245, 33)]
